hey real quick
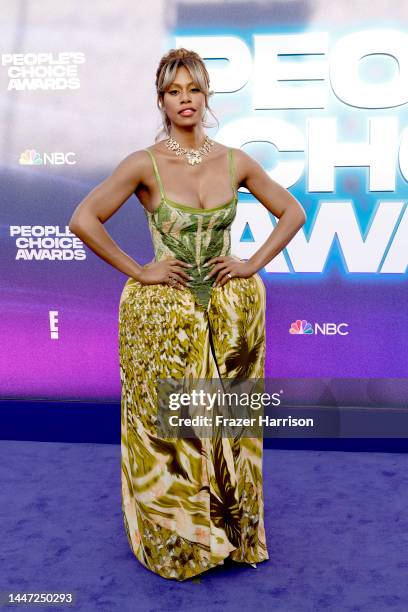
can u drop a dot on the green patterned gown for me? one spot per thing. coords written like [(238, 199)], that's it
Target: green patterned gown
[(189, 504)]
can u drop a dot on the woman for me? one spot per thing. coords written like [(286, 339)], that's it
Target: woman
[(197, 312)]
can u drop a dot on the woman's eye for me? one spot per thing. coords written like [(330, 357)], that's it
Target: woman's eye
[(176, 91)]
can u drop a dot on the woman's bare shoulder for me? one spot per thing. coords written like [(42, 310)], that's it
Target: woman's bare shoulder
[(138, 156), (245, 165), (136, 164)]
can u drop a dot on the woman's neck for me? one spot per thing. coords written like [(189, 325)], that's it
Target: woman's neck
[(188, 140)]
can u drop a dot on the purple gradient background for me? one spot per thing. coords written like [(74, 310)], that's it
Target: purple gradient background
[(83, 363)]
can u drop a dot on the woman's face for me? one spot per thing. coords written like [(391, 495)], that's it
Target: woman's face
[(184, 94)]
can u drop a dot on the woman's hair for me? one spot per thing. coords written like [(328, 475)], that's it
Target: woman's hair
[(166, 73)]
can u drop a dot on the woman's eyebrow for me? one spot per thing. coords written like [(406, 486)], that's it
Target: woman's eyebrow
[(178, 84)]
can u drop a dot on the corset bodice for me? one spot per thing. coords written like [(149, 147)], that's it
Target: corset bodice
[(193, 235)]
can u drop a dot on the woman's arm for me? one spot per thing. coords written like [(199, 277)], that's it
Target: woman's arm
[(100, 204), (277, 200)]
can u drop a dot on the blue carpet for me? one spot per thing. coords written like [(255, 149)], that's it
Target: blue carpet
[(336, 523)]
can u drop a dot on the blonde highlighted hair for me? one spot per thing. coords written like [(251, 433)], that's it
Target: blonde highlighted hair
[(166, 73)]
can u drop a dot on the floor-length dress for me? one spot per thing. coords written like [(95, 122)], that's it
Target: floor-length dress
[(189, 504)]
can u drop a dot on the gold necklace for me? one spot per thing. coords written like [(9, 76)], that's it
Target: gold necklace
[(194, 156)]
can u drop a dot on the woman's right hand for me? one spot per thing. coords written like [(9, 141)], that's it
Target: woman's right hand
[(169, 271)]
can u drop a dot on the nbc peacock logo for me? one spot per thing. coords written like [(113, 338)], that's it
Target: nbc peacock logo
[(301, 326), (30, 157)]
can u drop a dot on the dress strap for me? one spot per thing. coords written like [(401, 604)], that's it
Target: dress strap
[(232, 170), (156, 173)]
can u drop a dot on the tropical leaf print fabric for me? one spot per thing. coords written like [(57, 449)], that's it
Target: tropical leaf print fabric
[(189, 503)]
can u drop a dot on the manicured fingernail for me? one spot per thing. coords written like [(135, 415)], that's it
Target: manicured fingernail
[(205, 277), (205, 265)]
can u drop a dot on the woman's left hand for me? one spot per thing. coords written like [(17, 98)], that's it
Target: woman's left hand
[(227, 264)]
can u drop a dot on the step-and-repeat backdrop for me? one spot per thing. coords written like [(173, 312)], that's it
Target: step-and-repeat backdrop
[(319, 99)]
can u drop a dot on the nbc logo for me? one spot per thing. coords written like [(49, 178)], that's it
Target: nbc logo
[(301, 326), (31, 157)]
